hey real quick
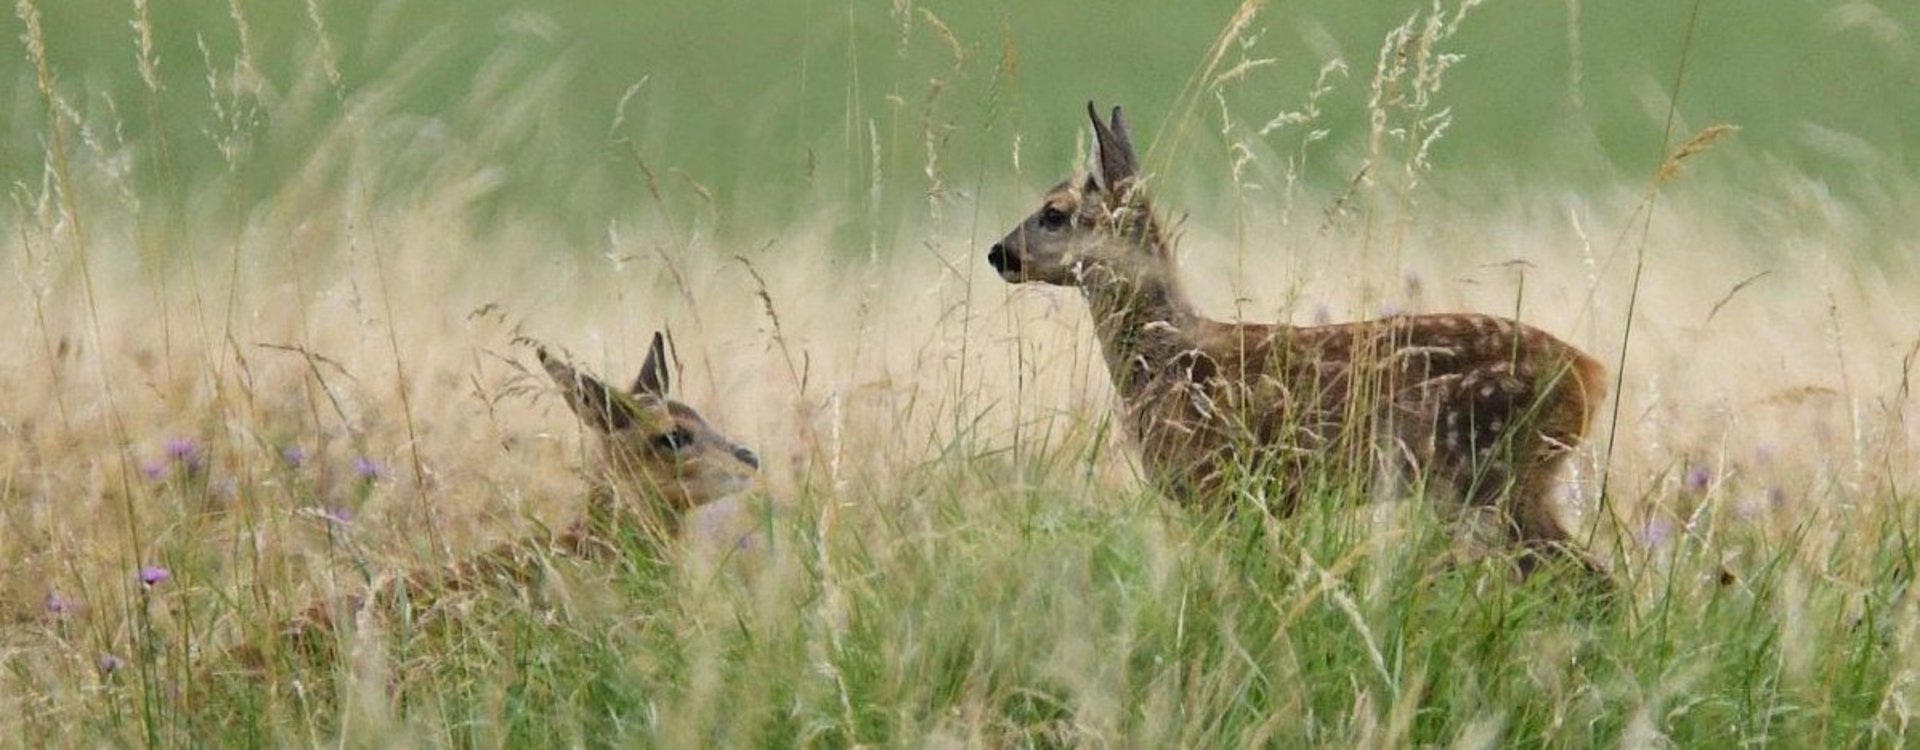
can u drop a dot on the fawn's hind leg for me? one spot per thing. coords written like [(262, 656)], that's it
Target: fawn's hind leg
[(1495, 504), (1535, 527)]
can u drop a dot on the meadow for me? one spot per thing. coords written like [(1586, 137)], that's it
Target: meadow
[(275, 271)]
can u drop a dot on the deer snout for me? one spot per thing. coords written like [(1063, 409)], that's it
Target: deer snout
[(1006, 262)]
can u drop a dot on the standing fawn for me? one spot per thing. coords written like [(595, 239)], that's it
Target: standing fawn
[(1481, 411), (660, 460)]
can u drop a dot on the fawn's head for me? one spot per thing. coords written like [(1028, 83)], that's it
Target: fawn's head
[(1086, 225), (654, 443)]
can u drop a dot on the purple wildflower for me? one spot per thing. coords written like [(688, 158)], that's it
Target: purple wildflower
[(367, 468), (294, 455), (58, 604), (1698, 478), (153, 575), (185, 451), (108, 663), (339, 514), (154, 470)]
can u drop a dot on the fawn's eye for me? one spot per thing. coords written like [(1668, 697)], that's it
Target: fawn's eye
[(673, 440), (1052, 218)]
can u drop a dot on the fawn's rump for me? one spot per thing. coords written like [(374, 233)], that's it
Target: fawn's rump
[(1487, 405)]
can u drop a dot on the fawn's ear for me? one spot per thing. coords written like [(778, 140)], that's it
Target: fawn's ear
[(597, 404), (653, 373), (1117, 161)]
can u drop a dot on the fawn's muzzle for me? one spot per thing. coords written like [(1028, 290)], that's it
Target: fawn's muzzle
[(1004, 261)]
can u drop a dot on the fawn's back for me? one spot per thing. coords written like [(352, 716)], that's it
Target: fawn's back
[(1476, 402)]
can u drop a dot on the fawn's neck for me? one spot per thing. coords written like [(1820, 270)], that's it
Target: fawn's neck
[(608, 521), (1143, 320)]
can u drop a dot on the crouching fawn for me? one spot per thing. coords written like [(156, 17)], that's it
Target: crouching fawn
[(1481, 411), (660, 460)]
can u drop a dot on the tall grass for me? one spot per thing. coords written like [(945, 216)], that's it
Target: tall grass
[(270, 271)]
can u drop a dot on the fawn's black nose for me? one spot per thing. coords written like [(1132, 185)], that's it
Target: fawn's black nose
[(1003, 261)]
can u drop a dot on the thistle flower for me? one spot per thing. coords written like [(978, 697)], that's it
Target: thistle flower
[(58, 604), (153, 575), (108, 663), (154, 470), (339, 514), (294, 455), (367, 468), (1698, 479), (184, 451)]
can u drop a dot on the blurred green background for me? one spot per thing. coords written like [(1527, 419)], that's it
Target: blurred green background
[(776, 109)]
